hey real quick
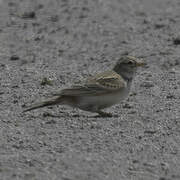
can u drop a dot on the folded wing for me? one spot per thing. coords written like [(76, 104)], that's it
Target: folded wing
[(103, 83)]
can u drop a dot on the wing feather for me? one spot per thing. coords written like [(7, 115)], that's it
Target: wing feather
[(103, 83)]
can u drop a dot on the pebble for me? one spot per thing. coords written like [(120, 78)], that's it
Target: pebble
[(176, 40), (147, 84), (29, 15), (14, 58), (127, 106)]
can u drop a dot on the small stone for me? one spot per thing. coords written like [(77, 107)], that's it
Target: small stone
[(159, 25), (176, 40), (1, 92), (127, 106), (38, 38), (147, 84), (150, 131), (29, 15), (132, 94), (60, 52), (170, 96), (46, 81), (135, 161), (50, 122), (14, 58), (162, 178)]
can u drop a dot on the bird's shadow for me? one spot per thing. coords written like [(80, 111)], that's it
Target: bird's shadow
[(47, 114)]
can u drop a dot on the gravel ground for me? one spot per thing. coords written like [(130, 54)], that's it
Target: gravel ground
[(49, 44)]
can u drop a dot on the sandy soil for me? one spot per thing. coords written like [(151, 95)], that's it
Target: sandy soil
[(65, 41)]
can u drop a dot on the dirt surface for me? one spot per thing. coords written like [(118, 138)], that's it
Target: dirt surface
[(49, 44)]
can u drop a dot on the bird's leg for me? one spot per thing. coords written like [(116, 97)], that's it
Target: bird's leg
[(104, 114)]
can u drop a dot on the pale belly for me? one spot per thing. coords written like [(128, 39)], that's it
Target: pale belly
[(95, 103)]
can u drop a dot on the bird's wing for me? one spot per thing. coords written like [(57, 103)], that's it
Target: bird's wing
[(106, 82)]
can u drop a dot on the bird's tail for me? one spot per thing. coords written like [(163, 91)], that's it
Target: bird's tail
[(51, 101)]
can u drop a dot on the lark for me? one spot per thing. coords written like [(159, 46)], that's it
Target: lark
[(99, 91)]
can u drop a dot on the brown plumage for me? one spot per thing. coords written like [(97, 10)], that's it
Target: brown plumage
[(97, 92)]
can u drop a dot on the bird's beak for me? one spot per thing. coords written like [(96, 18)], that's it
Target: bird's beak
[(140, 62)]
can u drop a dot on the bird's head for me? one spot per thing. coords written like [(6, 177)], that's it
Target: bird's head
[(126, 66)]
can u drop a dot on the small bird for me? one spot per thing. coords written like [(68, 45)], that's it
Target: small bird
[(97, 92)]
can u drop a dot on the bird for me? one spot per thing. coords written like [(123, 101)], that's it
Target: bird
[(97, 92)]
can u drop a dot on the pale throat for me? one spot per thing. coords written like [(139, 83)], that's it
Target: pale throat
[(127, 73)]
